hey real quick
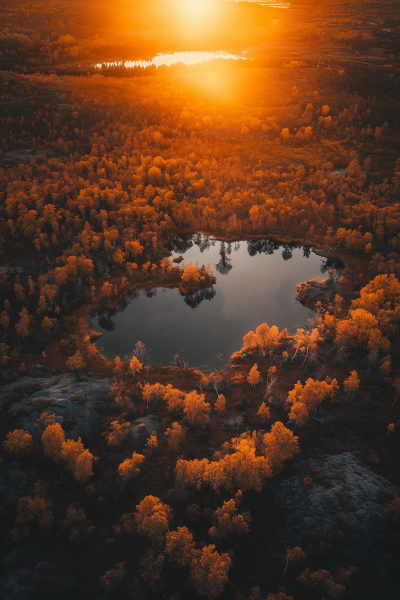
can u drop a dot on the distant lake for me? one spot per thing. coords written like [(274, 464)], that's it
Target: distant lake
[(256, 283), (187, 58), (270, 3), (274, 4)]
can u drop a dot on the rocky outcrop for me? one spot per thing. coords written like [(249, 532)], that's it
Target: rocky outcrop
[(338, 493), (12, 270), (142, 428), (28, 574), (13, 484), (309, 292), (80, 406)]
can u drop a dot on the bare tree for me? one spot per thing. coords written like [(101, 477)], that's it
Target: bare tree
[(239, 420), (180, 361), (371, 360), (271, 383), (141, 353)]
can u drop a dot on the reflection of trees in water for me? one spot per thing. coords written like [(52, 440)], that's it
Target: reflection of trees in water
[(261, 247), (306, 251), (331, 263), (133, 295), (181, 243), (106, 323), (236, 246), (150, 292), (203, 241), (224, 264), (287, 252), (122, 305), (194, 299)]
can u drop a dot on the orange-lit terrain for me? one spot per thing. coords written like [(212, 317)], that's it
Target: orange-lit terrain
[(275, 476)]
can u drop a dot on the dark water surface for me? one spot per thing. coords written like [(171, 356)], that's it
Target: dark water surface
[(256, 283)]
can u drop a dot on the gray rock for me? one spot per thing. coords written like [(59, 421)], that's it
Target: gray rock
[(81, 404), (309, 292), (26, 575), (142, 428), (343, 494), (12, 270), (324, 252), (22, 556), (13, 484)]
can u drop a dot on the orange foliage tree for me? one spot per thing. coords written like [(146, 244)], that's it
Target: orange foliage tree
[(190, 276), (239, 467), (361, 330), (53, 439), (49, 324), (174, 398), (280, 445), (305, 399), (263, 413), (176, 435), (220, 405), (306, 341), (179, 546), (113, 580), (381, 298), (152, 442), (76, 524), (209, 572), (351, 384), (227, 522), (152, 518), (117, 433), (32, 509), (322, 584), (18, 442), (83, 469), (135, 366), (294, 556), (196, 410), (75, 363), (70, 452), (23, 326), (254, 376), (4, 320)]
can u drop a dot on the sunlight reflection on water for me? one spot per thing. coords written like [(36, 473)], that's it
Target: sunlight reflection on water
[(187, 58), (276, 4), (270, 3)]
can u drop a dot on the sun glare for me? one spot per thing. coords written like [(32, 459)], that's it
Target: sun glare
[(197, 10)]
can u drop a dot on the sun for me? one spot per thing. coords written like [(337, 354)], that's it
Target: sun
[(197, 10)]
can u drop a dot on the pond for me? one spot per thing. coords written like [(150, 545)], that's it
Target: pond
[(187, 58), (255, 283)]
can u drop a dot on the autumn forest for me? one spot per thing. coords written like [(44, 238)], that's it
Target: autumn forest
[(132, 133)]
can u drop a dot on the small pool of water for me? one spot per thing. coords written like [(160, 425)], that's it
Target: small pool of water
[(256, 283), (187, 58)]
